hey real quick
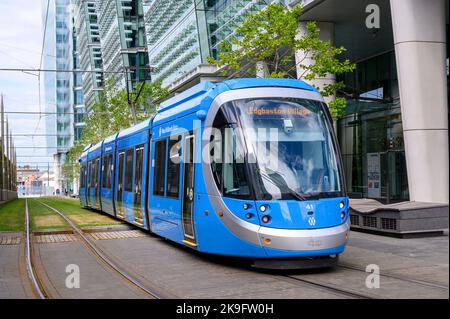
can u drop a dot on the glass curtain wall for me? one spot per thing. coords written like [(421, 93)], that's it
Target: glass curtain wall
[(371, 133)]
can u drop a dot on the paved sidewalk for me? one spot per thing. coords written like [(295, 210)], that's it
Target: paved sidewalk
[(96, 280), (12, 268), (191, 275)]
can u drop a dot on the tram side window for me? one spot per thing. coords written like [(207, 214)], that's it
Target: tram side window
[(173, 168), (92, 175), (160, 165), (107, 171), (228, 165), (83, 176), (129, 170), (89, 174)]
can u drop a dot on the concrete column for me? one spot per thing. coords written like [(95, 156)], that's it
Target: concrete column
[(419, 36), (304, 58)]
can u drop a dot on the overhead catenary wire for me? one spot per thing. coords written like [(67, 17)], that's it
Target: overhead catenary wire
[(40, 70)]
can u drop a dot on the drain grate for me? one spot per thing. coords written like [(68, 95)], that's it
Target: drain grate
[(354, 219), (369, 221), (389, 223)]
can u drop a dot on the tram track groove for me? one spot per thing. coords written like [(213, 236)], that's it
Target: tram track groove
[(333, 289), (38, 287), (398, 277), (104, 258)]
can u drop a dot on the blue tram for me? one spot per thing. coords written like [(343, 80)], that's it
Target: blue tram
[(247, 168)]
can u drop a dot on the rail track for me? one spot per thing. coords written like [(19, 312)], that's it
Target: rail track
[(38, 287), (347, 293), (95, 251), (395, 276), (131, 279)]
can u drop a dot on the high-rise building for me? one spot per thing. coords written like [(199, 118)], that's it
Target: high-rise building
[(123, 41), (181, 34), (88, 48), (389, 127), (58, 86), (78, 96)]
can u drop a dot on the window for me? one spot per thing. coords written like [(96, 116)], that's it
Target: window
[(138, 171), (107, 171), (234, 180), (93, 173), (173, 168), (228, 163), (83, 176), (129, 170), (160, 165)]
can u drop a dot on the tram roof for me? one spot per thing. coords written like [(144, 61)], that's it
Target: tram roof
[(110, 138), (135, 128), (194, 96)]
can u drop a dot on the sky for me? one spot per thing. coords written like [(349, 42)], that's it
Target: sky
[(20, 47)]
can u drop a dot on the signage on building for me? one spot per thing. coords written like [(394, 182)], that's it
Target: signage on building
[(373, 175)]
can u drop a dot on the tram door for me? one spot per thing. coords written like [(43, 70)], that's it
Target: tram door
[(188, 188), (137, 195), (119, 206), (89, 183), (96, 184)]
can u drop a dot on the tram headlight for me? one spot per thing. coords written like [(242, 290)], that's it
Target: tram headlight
[(265, 219), (341, 205), (262, 208)]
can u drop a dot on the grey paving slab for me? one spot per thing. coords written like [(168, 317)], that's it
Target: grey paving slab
[(189, 275), (96, 281), (13, 278)]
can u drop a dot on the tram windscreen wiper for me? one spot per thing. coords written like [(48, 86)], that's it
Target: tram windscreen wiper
[(282, 186)]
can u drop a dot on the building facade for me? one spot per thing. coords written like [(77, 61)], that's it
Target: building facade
[(88, 49), (123, 42), (182, 34), (394, 137), (59, 87)]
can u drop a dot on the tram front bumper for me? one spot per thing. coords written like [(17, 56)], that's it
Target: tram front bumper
[(304, 239)]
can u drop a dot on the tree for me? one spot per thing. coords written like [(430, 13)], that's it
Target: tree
[(270, 36), (111, 114)]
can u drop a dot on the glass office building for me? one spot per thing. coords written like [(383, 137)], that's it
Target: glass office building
[(58, 86), (123, 41), (89, 55), (181, 34), (394, 136)]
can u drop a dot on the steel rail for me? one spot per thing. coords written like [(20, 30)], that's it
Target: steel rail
[(398, 277), (31, 271), (99, 253), (341, 291)]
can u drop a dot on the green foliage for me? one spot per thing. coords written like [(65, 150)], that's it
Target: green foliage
[(271, 36), (112, 113)]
